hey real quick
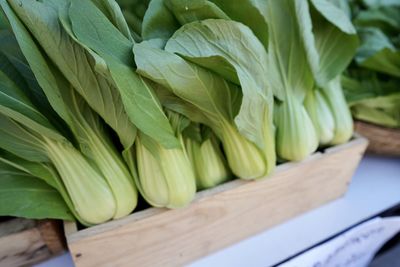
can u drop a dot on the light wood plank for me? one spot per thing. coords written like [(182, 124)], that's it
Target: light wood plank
[(24, 242), (22, 248)]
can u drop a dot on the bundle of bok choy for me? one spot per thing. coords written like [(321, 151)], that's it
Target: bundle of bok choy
[(196, 92), (31, 144), (372, 81), (302, 60)]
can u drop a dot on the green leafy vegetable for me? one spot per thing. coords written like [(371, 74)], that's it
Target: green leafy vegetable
[(211, 95), (83, 122), (238, 61), (371, 82)]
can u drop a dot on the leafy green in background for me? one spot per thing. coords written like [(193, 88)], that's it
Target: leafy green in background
[(372, 83)]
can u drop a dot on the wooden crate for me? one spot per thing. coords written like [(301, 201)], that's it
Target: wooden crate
[(218, 217), (25, 242), (382, 140)]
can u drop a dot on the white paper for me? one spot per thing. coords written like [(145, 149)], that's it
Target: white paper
[(354, 248)]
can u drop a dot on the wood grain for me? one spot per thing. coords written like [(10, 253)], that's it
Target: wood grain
[(382, 140), (220, 216), (52, 235), (25, 242)]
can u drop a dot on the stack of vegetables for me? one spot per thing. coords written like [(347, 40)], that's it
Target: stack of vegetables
[(372, 82), (97, 102)]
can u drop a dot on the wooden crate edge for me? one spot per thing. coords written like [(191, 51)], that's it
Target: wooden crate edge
[(85, 245), (73, 235), (382, 140), (24, 242)]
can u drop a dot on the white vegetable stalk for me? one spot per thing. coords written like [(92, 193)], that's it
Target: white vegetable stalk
[(166, 177), (296, 137), (334, 96), (321, 116), (89, 192), (96, 145), (116, 174), (244, 158), (208, 162)]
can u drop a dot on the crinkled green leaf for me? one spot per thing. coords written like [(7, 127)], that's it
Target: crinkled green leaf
[(94, 144), (286, 53), (57, 89), (75, 64), (220, 39), (208, 92), (330, 28), (139, 100)]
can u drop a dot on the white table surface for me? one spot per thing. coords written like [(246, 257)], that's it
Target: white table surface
[(375, 187)]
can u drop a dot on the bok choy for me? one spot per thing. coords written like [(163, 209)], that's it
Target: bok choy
[(203, 150), (27, 133), (82, 121), (102, 99), (372, 82)]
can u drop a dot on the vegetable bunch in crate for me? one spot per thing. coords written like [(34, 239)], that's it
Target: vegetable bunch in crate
[(372, 81), (100, 104)]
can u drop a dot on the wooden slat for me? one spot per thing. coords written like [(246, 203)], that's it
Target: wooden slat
[(52, 235), (218, 217), (22, 248), (25, 242), (382, 140), (15, 225)]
